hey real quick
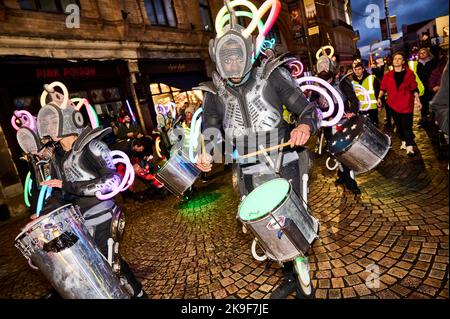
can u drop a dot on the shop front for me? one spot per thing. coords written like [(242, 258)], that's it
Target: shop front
[(104, 83), (172, 81)]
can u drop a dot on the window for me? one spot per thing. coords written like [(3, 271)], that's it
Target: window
[(205, 12), (58, 6), (160, 12), (163, 94)]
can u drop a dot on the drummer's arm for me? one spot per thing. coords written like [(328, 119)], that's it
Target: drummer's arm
[(295, 101), (97, 157)]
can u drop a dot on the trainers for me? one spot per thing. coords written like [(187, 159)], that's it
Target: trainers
[(287, 286), (403, 147), (410, 151)]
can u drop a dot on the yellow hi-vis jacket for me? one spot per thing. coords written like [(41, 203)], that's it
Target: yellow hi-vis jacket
[(368, 85), (413, 66)]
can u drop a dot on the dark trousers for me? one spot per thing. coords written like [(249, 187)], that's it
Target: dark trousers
[(373, 116), (425, 101), (389, 112), (101, 236), (404, 122)]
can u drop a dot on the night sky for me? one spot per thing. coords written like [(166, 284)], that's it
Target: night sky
[(407, 12)]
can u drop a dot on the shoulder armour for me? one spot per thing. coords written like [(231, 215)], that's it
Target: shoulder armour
[(271, 65), (87, 135)]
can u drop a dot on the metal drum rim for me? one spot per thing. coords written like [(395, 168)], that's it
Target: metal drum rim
[(38, 220)]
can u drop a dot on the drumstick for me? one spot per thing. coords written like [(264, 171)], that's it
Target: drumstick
[(202, 138), (266, 150)]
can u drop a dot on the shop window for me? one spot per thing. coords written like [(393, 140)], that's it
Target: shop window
[(160, 12), (205, 13), (58, 6), (164, 94)]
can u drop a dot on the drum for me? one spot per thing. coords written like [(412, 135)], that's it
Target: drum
[(62, 249), (178, 174), (359, 145), (278, 219)]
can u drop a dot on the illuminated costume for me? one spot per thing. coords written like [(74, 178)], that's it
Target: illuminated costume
[(87, 172), (251, 109)]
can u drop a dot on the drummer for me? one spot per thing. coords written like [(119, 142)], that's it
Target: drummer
[(237, 90), (328, 71), (81, 167)]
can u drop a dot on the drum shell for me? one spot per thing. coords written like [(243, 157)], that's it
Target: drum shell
[(61, 247), (297, 234), (178, 174), (367, 150)]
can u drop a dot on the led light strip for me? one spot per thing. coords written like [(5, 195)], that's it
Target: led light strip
[(195, 133), (312, 79), (26, 118), (51, 87), (297, 68), (127, 180), (322, 51), (27, 189), (93, 118), (44, 193), (256, 16)]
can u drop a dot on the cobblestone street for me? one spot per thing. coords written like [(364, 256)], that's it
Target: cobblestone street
[(198, 250)]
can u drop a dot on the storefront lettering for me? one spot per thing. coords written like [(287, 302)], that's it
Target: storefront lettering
[(176, 67), (75, 72)]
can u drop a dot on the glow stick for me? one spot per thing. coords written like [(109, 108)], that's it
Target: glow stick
[(131, 111), (42, 195), (27, 189)]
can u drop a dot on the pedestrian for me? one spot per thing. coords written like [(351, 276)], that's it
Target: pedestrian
[(372, 85), (425, 66), (401, 88)]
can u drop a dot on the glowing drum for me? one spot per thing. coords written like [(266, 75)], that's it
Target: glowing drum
[(359, 145), (178, 174), (278, 219), (62, 249)]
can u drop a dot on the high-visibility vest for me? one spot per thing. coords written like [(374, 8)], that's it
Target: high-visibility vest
[(371, 104), (413, 66), (187, 134)]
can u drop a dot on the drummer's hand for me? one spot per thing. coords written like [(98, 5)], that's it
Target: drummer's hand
[(349, 115), (300, 135), (34, 216), (53, 183), (204, 162)]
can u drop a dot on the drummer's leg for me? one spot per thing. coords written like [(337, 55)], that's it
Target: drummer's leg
[(288, 283), (102, 233)]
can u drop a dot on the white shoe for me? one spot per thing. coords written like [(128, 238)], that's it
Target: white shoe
[(403, 147), (410, 151), (302, 268)]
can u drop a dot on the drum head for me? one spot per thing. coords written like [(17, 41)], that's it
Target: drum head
[(264, 199), (351, 130)]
